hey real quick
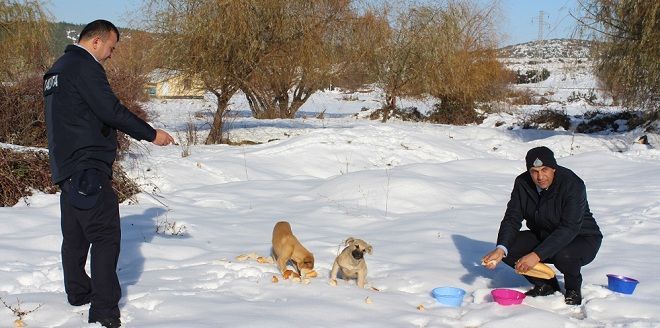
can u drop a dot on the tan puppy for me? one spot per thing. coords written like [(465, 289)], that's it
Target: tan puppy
[(287, 247), (351, 262)]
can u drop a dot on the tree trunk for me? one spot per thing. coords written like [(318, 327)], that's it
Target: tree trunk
[(260, 103), (390, 106), (300, 95), (265, 106), (215, 134)]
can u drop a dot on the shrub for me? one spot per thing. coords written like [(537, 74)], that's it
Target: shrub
[(24, 171), (129, 89), (596, 121), (547, 119), (21, 172), (404, 114), (454, 113), (22, 120), (590, 97), (532, 76), (520, 97)]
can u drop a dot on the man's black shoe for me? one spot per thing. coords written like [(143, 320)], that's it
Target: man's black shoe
[(80, 301), (573, 297), (542, 290), (108, 322)]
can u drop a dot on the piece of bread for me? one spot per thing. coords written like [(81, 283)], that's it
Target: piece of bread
[(262, 259), (290, 274), (540, 270), (493, 262), (311, 274)]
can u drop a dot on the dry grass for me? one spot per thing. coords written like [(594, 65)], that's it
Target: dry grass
[(454, 114), (24, 172)]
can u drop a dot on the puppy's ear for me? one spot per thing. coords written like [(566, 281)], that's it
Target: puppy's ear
[(369, 249), (348, 241)]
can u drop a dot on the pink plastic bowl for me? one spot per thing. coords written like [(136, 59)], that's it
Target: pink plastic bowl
[(507, 296)]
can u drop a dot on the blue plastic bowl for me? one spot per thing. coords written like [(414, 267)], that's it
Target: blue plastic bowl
[(450, 296), (621, 284)]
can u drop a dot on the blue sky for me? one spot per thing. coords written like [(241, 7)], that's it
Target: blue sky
[(519, 23)]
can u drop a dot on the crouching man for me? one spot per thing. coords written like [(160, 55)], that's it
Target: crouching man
[(552, 200)]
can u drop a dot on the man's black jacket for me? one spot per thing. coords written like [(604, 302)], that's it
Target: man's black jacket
[(83, 116), (555, 216)]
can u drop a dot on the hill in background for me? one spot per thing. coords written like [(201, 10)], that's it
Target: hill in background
[(547, 49)]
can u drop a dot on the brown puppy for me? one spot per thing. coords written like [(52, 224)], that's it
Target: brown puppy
[(287, 247), (351, 262)]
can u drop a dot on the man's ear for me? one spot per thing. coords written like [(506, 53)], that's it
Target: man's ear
[(349, 241), (96, 41)]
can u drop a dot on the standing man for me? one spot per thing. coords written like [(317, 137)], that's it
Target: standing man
[(553, 202), (83, 116)]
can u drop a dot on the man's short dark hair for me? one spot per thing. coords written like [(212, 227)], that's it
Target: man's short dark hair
[(100, 28)]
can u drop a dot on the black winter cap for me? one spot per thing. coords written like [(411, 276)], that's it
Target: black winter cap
[(540, 156)]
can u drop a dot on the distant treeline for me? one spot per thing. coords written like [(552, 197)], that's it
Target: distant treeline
[(63, 34)]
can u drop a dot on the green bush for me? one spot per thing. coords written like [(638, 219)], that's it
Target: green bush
[(590, 97), (532, 76), (596, 121)]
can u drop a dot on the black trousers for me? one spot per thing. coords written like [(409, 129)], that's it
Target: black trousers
[(100, 228), (569, 260)]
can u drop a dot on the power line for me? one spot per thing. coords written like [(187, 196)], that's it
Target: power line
[(540, 38)]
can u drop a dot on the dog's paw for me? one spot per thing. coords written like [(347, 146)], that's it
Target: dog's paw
[(274, 279), (332, 282)]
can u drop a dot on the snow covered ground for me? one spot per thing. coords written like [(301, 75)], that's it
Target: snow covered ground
[(428, 198)]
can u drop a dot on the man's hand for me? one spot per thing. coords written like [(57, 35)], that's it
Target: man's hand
[(162, 138), (491, 259), (527, 262)]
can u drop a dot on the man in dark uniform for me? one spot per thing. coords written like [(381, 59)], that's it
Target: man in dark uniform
[(83, 116), (562, 231)]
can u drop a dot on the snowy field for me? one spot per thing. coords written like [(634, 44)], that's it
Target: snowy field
[(428, 198)]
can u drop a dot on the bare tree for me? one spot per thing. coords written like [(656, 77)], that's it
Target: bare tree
[(302, 63), (355, 46), (464, 68), (448, 52), (219, 42), (628, 43), (398, 52)]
